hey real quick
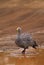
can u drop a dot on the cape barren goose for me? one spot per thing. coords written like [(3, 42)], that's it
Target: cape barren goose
[(24, 40)]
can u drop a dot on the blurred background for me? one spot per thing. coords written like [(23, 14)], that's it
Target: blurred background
[(29, 15)]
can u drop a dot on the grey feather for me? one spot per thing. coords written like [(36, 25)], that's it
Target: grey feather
[(23, 40)]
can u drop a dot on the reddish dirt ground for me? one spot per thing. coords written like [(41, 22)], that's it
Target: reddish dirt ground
[(29, 16)]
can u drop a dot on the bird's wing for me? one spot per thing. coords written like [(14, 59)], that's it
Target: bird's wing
[(26, 37)]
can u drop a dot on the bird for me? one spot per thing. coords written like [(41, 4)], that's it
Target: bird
[(24, 40)]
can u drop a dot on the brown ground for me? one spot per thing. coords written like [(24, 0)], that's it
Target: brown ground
[(30, 16)]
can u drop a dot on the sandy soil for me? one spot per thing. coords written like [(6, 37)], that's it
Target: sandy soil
[(30, 16)]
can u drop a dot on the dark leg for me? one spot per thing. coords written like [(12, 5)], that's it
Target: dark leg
[(35, 45), (23, 51)]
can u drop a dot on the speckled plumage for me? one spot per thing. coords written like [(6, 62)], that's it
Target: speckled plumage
[(24, 40)]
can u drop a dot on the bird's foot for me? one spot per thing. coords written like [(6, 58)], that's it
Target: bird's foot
[(23, 52)]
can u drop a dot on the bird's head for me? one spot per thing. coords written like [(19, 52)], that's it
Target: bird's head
[(18, 29)]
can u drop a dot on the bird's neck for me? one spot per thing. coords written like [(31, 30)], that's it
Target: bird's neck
[(18, 34)]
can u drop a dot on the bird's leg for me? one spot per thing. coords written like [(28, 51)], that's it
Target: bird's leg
[(35, 45), (23, 51)]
